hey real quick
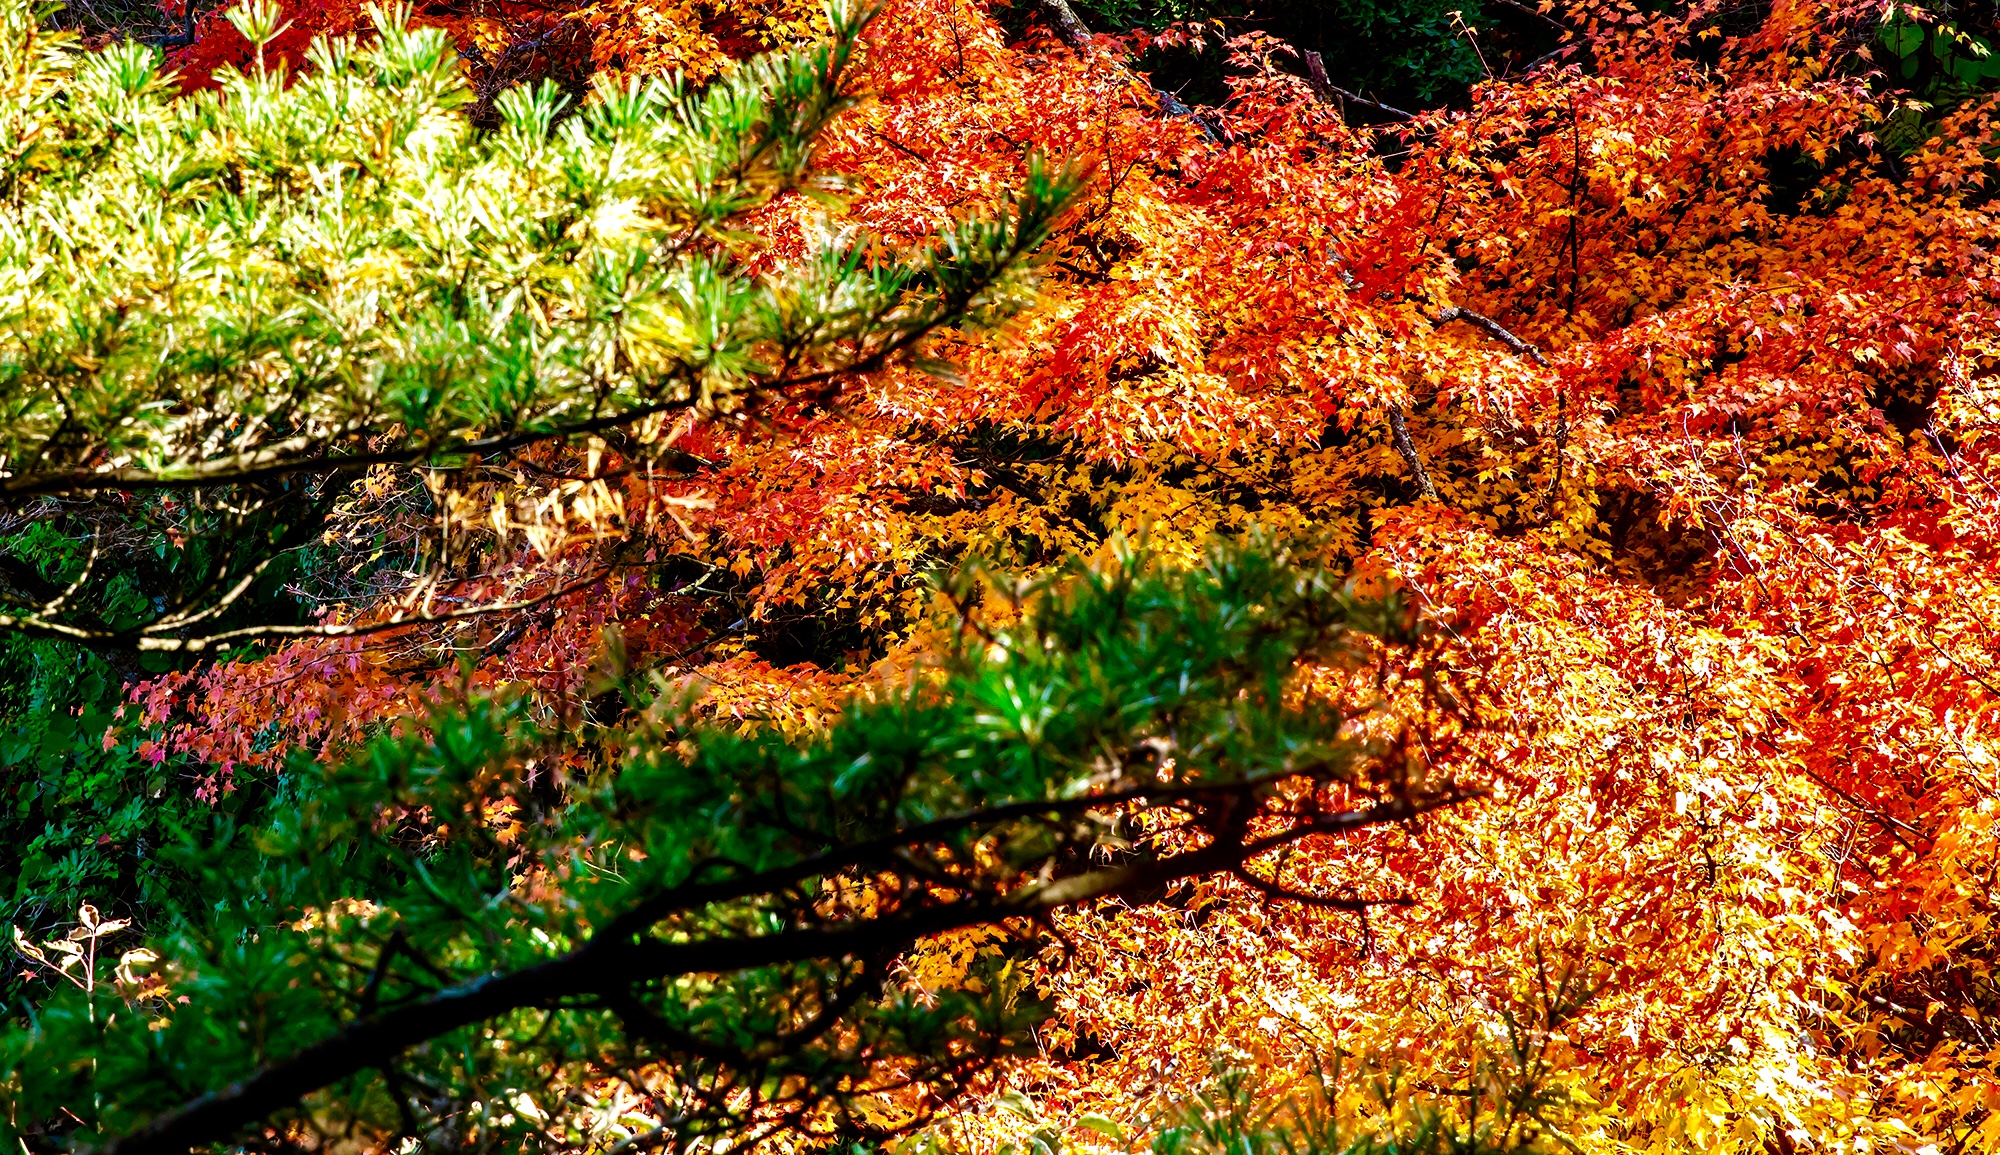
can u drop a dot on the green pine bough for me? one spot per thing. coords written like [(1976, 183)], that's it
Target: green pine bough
[(242, 299), (427, 949)]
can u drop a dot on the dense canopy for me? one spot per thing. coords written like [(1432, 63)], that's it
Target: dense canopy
[(1275, 605)]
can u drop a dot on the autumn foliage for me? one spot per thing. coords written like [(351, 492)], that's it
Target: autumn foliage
[(1691, 330)]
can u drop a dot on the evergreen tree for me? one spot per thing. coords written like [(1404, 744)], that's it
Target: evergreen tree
[(233, 304)]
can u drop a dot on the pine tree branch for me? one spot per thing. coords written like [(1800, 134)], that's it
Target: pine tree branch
[(291, 459), (34, 625), (1032, 217), (612, 964), (876, 850)]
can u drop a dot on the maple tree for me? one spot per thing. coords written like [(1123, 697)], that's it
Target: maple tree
[(1658, 378)]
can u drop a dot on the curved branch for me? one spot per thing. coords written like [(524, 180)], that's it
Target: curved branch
[(1520, 348), (1068, 27), (278, 461), (875, 850)]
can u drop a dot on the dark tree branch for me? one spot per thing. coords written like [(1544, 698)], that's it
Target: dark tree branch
[(642, 1024), (283, 460), (1068, 28), (1520, 348), (1073, 32), (1341, 97), (1548, 57), (1400, 432), (640, 1142), (1491, 328), (1305, 898), (877, 851)]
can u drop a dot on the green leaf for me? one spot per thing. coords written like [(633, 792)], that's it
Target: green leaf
[(1106, 1127), (1902, 35), (1014, 1102)]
